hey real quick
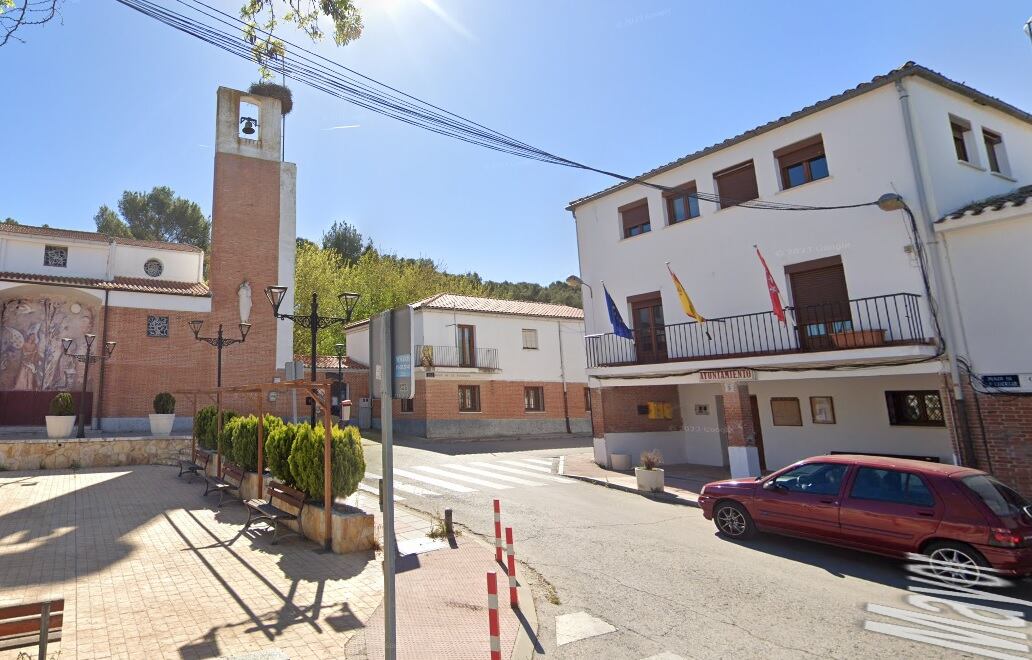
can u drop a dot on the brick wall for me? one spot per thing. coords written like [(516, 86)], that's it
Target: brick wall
[(1000, 427), (619, 408)]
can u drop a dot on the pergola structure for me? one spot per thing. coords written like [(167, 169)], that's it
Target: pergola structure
[(319, 391)]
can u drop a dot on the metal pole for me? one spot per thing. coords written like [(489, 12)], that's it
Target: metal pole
[(314, 322), (327, 475), (261, 441), (82, 395), (386, 424), (218, 368)]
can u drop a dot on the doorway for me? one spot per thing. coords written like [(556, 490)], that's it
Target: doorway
[(467, 346), (821, 301), (758, 431), (649, 327)]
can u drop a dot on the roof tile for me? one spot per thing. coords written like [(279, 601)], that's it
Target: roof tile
[(76, 235), (1016, 197), (135, 284)]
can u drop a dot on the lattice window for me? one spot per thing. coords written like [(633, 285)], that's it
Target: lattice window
[(157, 326), (153, 268), (55, 255)]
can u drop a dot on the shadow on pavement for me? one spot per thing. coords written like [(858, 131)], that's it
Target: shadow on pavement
[(499, 445)]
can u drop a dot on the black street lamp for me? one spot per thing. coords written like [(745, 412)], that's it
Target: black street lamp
[(219, 342), (87, 359), (312, 320)]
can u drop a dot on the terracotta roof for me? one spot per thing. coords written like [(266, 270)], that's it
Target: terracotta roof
[(908, 69), (76, 235), (1016, 197), (496, 306), (137, 284), (330, 362)]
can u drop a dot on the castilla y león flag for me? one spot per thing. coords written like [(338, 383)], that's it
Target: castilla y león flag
[(772, 287)]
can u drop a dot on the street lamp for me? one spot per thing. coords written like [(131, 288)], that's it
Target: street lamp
[(312, 320), (87, 359), (219, 341), (1028, 28)]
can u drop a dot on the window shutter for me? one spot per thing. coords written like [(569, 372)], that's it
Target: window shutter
[(737, 184), (635, 215)]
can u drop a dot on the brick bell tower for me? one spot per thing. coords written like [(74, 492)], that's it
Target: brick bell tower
[(253, 236)]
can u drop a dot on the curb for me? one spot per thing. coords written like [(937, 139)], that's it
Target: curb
[(668, 498)]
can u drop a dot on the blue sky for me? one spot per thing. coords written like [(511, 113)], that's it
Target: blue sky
[(109, 100)]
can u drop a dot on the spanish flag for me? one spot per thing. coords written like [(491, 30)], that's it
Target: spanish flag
[(686, 302)]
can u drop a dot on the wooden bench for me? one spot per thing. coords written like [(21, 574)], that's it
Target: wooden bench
[(232, 478), (197, 464), (34, 624), (267, 510)]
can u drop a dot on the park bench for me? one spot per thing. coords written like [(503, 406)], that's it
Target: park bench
[(34, 624), (231, 480), (196, 464), (267, 509)]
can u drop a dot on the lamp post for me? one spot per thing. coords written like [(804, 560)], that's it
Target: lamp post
[(573, 281), (339, 348), (87, 359), (1028, 28), (312, 320), (219, 341)]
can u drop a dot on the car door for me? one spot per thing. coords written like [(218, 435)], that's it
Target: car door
[(889, 510), (803, 500)]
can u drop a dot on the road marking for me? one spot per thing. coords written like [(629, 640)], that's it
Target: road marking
[(434, 482), (489, 473), (540, 461), (665, 655), (524, 473), (536, 468), (376, 491), (472, 480), (405, 488), (578, 626)]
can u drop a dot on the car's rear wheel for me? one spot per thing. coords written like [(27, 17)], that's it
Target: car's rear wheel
[(954, 562), (733, 520)]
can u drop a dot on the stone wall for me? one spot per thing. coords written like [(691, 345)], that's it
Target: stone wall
[(35, 454)]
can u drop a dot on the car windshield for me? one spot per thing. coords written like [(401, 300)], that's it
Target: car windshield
[(1001, 500)]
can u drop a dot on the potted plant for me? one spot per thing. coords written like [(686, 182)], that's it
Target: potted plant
[(858, 338), (62, 416), (164, 414), (649, 474)]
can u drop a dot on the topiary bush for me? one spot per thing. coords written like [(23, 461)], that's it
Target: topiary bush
[(242, 449), (278, 445), (164, 404), (206, 425), (62, 405), (347, 460)]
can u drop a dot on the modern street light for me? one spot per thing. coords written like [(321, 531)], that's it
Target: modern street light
[(1028, 28), (87, 359), (219, 341), (312, 320), (574, 281)]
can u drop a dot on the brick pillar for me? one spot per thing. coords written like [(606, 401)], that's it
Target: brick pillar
[(741, 435)]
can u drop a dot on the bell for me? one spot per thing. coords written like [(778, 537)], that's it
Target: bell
[(248, 126)]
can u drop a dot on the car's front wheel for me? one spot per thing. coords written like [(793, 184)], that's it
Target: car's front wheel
[(955, 562), (733, 521)]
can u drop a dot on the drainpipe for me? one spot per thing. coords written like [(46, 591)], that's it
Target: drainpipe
[(562, 375), (937, 268), (99, 408)]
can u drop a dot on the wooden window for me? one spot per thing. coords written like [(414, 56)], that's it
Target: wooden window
[(915, 408), (993, 149), (635, 218), (55, 255), (681, 203), (469, 398), (467, 345), (821, 301), (785, 411), (530, 338), (737, 184), (587, 399), (649, 327), (534, 399), (408, 405), (960, 130), (802, 162)]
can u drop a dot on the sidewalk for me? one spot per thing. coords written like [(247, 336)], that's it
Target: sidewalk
[(683, 481), (441, 590)]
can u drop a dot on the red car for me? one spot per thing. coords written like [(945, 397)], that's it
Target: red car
[(887, 506)]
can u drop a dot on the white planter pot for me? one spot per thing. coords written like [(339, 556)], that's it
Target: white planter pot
[(161, 424), (60, 426), (620, 461), (649, 481)]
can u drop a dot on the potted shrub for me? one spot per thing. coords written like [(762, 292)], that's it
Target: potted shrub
[(649, 474), (164, 414), (858, 338), (62, 416)]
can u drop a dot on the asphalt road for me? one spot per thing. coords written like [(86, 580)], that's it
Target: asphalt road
[(659, 573)]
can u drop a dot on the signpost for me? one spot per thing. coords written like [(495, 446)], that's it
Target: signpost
[(391, 376)]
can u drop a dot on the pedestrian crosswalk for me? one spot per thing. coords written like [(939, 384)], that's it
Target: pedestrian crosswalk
[(464, 478)]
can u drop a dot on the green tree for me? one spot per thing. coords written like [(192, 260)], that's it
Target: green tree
[(261, 20), (345, 239), (158, 215), (9, 220)]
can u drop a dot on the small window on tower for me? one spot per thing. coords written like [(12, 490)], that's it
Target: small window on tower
[(249, 116)]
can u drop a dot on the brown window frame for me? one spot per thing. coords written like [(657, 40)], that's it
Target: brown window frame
[(992, 140), (727, 171), (959, 130), (629, 223), (535, 403), (408, 405), (474, 398), (894, 402), (804, 153), (685, 192)]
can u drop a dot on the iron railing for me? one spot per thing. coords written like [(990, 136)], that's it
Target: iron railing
[(455, 356), (860, 323)]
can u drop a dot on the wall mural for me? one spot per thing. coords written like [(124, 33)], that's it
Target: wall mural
[(31, 328)]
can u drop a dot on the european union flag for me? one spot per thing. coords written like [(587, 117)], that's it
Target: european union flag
[(620, 328)]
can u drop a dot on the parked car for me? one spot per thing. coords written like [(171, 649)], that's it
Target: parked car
[(887, 506)]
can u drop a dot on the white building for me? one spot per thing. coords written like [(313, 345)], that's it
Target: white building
[(859, 364), (488, 367)]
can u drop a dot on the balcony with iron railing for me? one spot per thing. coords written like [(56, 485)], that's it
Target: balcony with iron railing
[(890, 320), (456, 356)]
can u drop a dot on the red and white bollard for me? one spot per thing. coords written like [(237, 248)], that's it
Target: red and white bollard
[(498, 530), (492, 616), (514, 599)]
